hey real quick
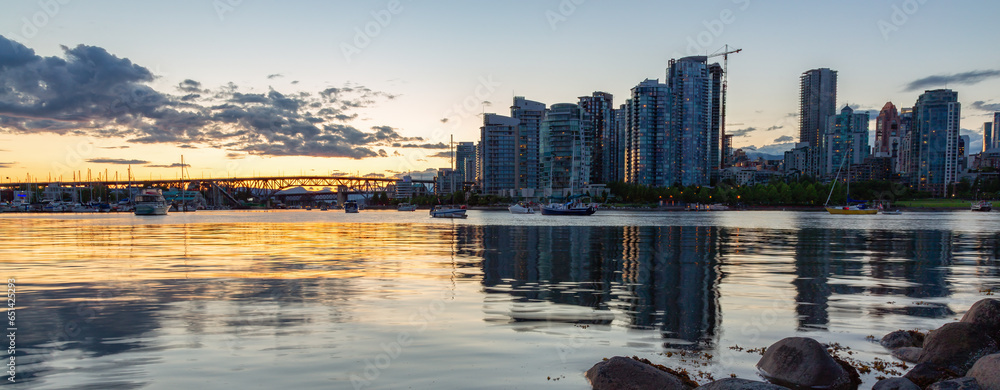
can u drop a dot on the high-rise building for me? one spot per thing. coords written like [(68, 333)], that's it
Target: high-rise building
[(934, 141), (846, 138), (904, 160), (692, 141), (620, 147), (887, 131), (987, 136), (963, 152), (599, 111), (530, 114), (565, 155), (996, 130), (817, 103), (497, 154), (465, 161), (647, 118)]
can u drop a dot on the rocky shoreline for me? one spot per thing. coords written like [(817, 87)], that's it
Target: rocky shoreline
[(962, 355)]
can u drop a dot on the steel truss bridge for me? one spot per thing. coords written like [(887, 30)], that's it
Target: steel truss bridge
[(262, 187)]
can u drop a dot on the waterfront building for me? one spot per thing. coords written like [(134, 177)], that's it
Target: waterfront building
[(817, 103), (987, 136), (497, 155), (601, 136), (903, 163), (846, 137), (647, 118), (692, 140), (935, 140), (887, 131), (565, 155), (529, 114), (620, 146), (465, 161)]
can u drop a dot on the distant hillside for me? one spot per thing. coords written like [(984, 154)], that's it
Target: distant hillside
[(768, 152)]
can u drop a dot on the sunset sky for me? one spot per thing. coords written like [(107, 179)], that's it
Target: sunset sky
[(251, 87)]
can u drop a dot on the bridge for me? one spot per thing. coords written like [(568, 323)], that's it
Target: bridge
[(264, 188)]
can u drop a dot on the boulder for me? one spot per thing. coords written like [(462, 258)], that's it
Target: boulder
[(895, 384), (902, 338), (803, 362), (955, 384), (956, 346), (621, 372), (985, 313), (740, 384), (925, 374), (907, 354), (987, 372)]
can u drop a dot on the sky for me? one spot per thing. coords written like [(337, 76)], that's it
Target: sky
[(378, 88)]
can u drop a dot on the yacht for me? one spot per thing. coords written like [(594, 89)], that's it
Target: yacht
[(569, 208), (350, 206), (406, 207), (443, 211), (151, 202), (982, 205), (520, 208)]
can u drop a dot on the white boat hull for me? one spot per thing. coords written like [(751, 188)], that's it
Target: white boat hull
[(518, 209)]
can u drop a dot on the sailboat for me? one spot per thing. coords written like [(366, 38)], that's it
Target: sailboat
[(450, 211), (848, 209)]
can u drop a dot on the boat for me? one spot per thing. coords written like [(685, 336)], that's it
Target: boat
[(520, 208), (982, 205), (448, 211), (569, 208), (858, 208), (324, 207), (406, 207), (350, 206), (883, 211), (151, 202)]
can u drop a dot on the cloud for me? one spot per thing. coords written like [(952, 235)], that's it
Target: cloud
[(174, 165), (186, 146), (418, 175), (234, 156), (741, 132), (374, 175), (444, 120), (274, 76), (772, 128), (784, 138), (981, 105), (7, 164), (88, 91), (114, 147), (118, 161), (439, 145), (383, 153), (966, 78), (441, 154)]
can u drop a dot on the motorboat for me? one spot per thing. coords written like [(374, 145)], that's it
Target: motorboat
[(520, 208), (350, 206), (569, 208), (406, 207), (447, 211), (982, 205), (151, 202)]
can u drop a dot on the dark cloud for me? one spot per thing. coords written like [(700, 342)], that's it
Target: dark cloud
[(439, 145), (234, 156), (118, 161), (966, 78), (444, 120), (174, 165), (784, 138), (374, 175), (7, 164), (741, 132), (295, 82), (772, 128), (88, 91), (383, 153), (984, 106), (114, 147), (274, 76), (186, 146), (441, 154)]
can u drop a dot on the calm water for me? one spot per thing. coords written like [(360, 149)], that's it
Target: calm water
[(383, 299)]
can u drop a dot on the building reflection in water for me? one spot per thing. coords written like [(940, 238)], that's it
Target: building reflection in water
[(663, 278)]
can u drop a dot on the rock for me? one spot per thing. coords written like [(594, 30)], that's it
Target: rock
[(802, 362), (985, 313), (621, 372), (955, 384), (907, 354), (987, 372), (902, 338), (925, 374), (956, 346), (895, 384), (739, 384)]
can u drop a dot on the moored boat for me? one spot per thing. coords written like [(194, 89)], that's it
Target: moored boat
[(445, 211), (982, 205), (520, 208), (406, 207), (856, 209), (569, 208), (350, 206), (151, 202)]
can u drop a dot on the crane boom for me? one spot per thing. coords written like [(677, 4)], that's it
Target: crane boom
[(725, 85)]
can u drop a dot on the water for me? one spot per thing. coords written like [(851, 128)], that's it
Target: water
[(385, 300)]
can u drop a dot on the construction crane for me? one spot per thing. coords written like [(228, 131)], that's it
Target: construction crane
[(725, 83)]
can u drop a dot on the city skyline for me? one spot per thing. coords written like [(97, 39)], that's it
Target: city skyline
[(415, 74)]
